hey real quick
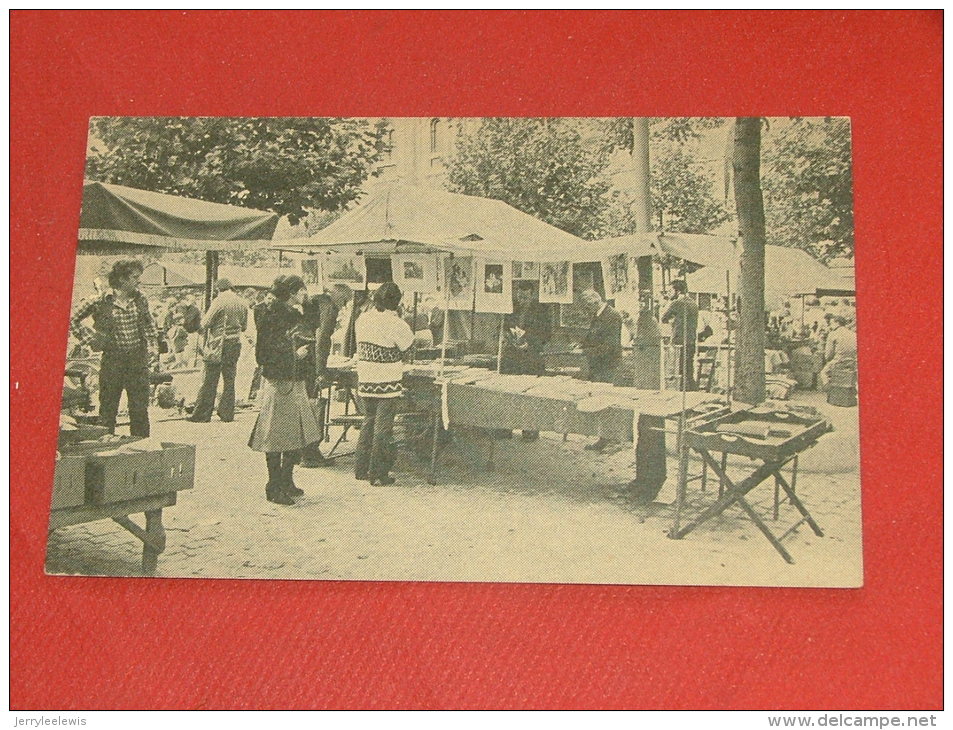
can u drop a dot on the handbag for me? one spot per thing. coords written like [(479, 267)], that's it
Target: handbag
[(211, 346)]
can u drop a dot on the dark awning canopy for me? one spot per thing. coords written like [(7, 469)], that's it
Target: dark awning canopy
[(115, 218)]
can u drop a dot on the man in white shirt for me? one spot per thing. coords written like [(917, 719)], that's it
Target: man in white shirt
[(382, 339)]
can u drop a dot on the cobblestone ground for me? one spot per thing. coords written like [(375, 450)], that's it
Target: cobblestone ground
[(549, 511)]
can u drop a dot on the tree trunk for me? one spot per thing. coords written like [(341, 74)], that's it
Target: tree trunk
[(749, 362)]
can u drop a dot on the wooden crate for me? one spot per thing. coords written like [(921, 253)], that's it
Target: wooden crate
[(69, 482)]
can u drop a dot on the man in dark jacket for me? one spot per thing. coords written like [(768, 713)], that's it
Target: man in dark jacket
[(123, 329), (603, 342), (602, 345), (320, 320)]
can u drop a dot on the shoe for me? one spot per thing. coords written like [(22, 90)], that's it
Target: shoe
[(597, 445), (382, 481), (193, 419), (363, 477), (312, 463)]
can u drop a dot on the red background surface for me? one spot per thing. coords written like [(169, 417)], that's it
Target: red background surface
[(87, 643)]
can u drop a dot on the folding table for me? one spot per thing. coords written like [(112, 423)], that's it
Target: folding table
[(772, 439)]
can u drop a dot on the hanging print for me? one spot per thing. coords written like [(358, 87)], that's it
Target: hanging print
[(525, 271), (343, 268), (311, 273), (458, 278), (616, 274), (415, 272), (494, 287), (555, 282)]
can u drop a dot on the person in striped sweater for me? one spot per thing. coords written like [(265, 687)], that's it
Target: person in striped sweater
[(382, 339)]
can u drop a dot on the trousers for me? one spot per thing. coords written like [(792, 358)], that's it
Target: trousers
[(686, 366), (226, 369), (375, 446), (118, 372)]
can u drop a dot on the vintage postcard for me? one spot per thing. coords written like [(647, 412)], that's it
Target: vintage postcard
[(406, 349)]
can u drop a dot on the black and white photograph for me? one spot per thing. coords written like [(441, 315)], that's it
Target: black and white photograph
[(458, 281), (344, 269), (525, 271), (656, 387), (615, 274)]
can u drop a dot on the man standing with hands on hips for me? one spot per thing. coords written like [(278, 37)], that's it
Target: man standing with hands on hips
[(124, 331)]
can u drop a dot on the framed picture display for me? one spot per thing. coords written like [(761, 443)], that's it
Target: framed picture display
[(310, 267), (525, 271), (344, 268), (617, 272)]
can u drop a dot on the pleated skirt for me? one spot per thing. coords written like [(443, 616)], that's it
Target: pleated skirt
[(287, 421)]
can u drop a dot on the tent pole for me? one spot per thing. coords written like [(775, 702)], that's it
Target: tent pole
[(473, 307), (446, 319), (413, 326), (211, 275), (499, 345)]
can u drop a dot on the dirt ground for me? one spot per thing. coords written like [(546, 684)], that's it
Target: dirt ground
[(548, 511)]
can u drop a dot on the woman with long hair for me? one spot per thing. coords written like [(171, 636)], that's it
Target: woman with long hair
[(286, 423), (382, 339)]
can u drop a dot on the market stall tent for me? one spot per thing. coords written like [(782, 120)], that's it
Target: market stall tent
[(399, 218), (787, 272)]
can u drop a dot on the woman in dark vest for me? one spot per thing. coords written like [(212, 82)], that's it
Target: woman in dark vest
[(286, 423)]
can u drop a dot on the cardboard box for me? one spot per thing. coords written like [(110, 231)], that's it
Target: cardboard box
[(121, 477), (69, 482), (179, 466)]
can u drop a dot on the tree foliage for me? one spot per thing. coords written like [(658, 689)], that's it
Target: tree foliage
[(542, 167), (683, 191), (808, 186), (286, 165), (684, 196)]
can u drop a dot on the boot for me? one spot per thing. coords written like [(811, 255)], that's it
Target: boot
[(273, 491), (288, 461)]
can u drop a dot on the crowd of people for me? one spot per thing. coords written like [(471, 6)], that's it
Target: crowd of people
[(294, 336)]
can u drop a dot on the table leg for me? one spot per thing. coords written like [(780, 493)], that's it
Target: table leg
[(153, 537), (724, 468), (152, 548), (764, 530), (793, 498), (777, 490), (732, 495), (432, 471)]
